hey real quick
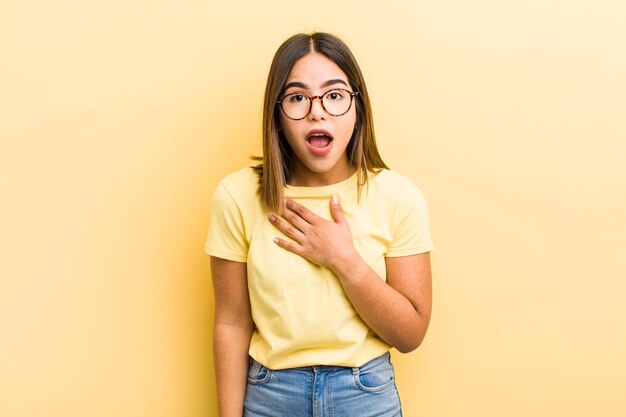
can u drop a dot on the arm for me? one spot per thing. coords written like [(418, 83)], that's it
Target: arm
[(232, 333), (397, 310)]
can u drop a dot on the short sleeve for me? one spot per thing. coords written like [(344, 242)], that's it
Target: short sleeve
[(226, 238), (411, 229)]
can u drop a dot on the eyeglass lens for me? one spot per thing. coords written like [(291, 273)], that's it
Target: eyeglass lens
[(335, 102)]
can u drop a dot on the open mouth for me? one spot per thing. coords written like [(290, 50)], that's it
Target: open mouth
[(319, 142)]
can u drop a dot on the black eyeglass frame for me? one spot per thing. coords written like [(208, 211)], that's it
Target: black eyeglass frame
[(311, 98)]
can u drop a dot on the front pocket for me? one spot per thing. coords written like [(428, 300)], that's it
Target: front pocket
[(258, 374), (377, 379)]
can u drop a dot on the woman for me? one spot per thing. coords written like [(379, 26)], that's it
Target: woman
[(319, 254)]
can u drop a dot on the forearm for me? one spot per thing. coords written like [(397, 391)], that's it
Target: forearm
[(231, 343), (384, 309)]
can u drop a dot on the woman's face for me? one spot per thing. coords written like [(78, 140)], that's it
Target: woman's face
[(319, 140)]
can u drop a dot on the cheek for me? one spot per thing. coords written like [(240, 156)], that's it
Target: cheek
[(348, 126)]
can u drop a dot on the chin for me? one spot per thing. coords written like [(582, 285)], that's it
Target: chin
[(322, 169)]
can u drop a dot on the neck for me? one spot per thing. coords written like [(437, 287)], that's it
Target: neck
[(303, 177)]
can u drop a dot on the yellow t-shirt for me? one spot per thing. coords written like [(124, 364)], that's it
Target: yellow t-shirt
[(300, 310)]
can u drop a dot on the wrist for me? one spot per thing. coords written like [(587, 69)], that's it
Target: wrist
[(348, 265)]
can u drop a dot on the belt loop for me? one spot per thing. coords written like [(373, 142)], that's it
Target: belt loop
[(355, 371)]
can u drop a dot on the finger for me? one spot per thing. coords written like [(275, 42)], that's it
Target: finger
[(335, 209), (302, 211), (295, 219), (287, 228), (291, 247)]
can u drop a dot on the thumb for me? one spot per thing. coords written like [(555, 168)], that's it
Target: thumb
[(335, 209)]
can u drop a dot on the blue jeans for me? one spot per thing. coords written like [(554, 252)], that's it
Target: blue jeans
[(323, 391)]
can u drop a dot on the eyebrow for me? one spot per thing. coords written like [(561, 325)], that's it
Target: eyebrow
[(324, 84)]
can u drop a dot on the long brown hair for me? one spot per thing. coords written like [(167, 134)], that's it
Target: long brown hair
[(275, 170)]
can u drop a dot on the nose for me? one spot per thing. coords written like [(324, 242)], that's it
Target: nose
[(317, 108)]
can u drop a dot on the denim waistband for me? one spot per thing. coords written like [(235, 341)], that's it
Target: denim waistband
[(384, 358)]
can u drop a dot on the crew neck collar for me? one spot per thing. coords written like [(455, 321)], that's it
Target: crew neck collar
[(323, 190)]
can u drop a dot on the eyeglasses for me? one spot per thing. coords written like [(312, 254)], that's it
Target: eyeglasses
[(297, 106)]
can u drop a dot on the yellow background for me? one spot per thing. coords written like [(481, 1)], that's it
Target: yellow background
[(118, 118)]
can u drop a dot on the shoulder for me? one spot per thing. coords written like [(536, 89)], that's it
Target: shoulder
[(389, 176), (392, 183), (396, 195), (244, 179), (239, 187), (242, 183)]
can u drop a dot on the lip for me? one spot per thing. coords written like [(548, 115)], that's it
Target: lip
[(319, 151), (318, 132)]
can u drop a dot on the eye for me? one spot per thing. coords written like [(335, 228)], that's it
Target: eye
[(296, 98), (336, 95)]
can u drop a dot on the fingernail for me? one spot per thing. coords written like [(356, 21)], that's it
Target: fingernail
[(271, 217), (335, 200)]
